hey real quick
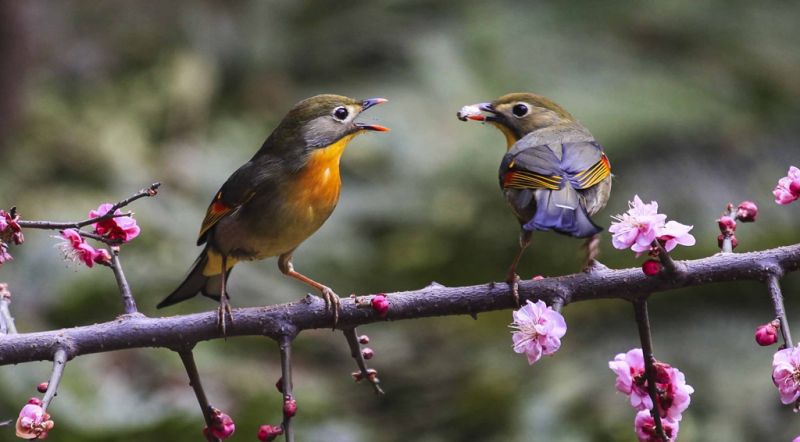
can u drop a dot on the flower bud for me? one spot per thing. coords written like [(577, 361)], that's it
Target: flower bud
[(537, 278), (380, 304), (747, 212), (267, 433), (222, 426), (42, 388), (651, 267), (767, 334), (363, 339), (727, 225), (35, 401), (367, 353), (721, 238), (289, 407), (357, 376), (372, 374)]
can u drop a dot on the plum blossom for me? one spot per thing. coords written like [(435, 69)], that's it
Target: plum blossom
[(629, 368), (673, 233), (788, 188), (538, 330), (674, 399), (4, 255), (33, 422), (76, 249), (646, 428), (121, 228), (637, 228), (222, 426), (786, 373)]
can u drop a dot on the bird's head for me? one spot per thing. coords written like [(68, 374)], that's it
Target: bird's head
[(322, 120), (517, 114)]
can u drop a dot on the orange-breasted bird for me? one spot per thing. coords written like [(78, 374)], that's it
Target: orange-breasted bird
[(276, 200), (554, 175)]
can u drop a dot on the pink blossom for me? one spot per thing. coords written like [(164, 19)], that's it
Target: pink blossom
[(786, 373), (674, 395), (637, 228), (33, 422), (3, 220), (76, 249), (788, 188), (123, 228), (538, 330), (673, 233), (645, 428), (629, 368), (222, 426), (797, 439), (4, 255)]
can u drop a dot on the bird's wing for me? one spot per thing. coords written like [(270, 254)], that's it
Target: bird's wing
[(546, 166), (232, 195)]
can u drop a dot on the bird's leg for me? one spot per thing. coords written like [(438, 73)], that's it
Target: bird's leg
[(224, 304), (332, 301), (512, 278), (591, 250)]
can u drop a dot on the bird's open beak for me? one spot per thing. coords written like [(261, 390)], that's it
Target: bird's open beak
[(366, 104), (473, 112)]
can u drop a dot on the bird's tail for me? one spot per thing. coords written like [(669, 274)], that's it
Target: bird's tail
[(561, 210), (197, 282)]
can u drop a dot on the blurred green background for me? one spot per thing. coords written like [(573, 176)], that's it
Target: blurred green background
[(697, 103)]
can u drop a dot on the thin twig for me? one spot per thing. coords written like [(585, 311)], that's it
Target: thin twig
[(128, 302), (773, 282), (7, 325), (666, 260), (285, 345), (643, 321), (148, 191), (194, 381), (59, 362), (355, 351), (103, 239)]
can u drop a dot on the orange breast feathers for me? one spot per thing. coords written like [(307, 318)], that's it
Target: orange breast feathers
[(316, 190)]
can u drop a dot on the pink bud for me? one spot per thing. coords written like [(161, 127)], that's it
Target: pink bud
[(651, 267), (363, 339), (367, 353), (727, 225), (734, 241), (357, 376), (747, 211), (222, 426), (33, 422), (766, 334), (35, 401), (372, 374), (289, 407), (267, 433), (537, 278), (102, 256), (794, 187), (279, 384), (42, 388), (380, 304)]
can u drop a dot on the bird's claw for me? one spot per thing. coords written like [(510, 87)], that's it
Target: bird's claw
[(332, 303), (513, 283), (223, 311)]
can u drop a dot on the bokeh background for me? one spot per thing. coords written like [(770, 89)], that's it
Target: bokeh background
[(697, 103)]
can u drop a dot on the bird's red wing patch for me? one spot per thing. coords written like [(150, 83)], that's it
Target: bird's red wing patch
[(216, 211)]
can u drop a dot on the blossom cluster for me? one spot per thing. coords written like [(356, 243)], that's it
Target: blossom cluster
[(788, 188), (672, 392), (117, 228), (33, 421), (641, 226), (10, 231), (538, 330)]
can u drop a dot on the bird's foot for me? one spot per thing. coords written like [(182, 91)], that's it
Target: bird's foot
[(224, 311), (513, 284), (332, 303), (594, 266)]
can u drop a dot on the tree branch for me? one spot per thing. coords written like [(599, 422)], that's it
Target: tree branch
[(134, 331), (187, 357), (7, 325), (774, 285), (59, 362), (128, 303)]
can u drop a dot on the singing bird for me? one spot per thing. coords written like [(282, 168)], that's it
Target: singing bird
[(273, 202), (554, 175)]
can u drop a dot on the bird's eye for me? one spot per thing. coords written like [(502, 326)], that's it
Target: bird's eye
[(519, 110), (340, 113)]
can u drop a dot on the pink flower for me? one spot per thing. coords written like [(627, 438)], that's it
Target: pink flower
[(674, 395), (767, 334), (637, 228), (786, 373), (381, 305), (123, 228), (267, 433), (4, 255), (788, 188), (33, 422), (629, 368), (222, 426), (645, 428), (674, 233), (797, 439), (539, 330), (76, 249)]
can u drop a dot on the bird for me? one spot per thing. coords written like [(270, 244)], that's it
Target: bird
[(554, 175), (277, 199)]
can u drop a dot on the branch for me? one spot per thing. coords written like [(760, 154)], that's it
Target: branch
[(643, 321), (780, 312), (355, 352), (285, 345), (136, 331), (6, 320), (148, 191), (128, 302), (59, 362), (194, 381)]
